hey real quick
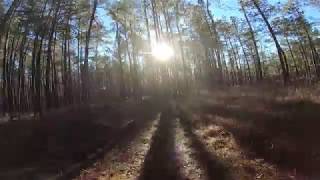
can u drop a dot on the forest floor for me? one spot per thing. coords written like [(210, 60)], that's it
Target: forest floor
[(67, 140), (235, 133)]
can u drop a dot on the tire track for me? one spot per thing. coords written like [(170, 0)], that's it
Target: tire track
[(213, 166), (123, 162), (161, 162), (220, 141), (191, 168)]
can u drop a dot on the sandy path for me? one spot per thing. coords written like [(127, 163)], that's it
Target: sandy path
[(190, 166), (171, 148), (122, 163)]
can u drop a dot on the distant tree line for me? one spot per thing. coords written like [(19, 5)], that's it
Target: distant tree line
[(57, 53)]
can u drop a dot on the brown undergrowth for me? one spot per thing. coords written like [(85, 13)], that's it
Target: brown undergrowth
[(36, 149), (278, 125)]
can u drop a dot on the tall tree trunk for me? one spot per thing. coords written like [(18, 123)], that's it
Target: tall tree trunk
[(243, 50), (85, 81), (54, 78), (155, 20), (6, 17), (217, 42), (281, 53), (136, 81), (4, 75), (118, 38), (315, 55), (131, 76), (238, 68), (10, 68), (37, 102), (147, 22), (253, 38), (305, 58), (65, 70), (21, 72), (69, 74), (292, 56), (48, 89), (149, 61), (36, 65), (79, 60), (181, 48), (33, 69)]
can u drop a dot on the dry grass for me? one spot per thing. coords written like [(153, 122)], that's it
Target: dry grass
[(277, 124), (65, 136)]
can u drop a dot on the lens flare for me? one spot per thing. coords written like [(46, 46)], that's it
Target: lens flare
[(162, 52)]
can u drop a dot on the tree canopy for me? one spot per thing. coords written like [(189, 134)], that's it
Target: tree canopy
[(57, 53)]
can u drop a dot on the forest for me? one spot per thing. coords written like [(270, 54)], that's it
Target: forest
[(159, 89)]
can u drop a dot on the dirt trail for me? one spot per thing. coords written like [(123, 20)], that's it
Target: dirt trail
[(160, 152), (221, 156), (220, 141), (191, 168), (124, 161), (162, 160), (173, 148)]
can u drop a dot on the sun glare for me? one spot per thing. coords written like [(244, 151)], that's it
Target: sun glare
[(162, 52)]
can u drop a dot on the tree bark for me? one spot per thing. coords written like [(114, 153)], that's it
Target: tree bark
[(8, 14), (243, 50), (181, 49), (122, 90), (85, 81), (259, 73), (48, 90), (4, 75), (292, 56), (281, 53), (217, 42)]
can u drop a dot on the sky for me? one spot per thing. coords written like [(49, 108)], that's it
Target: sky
[(228, 8), (231, 8), (225, 9)]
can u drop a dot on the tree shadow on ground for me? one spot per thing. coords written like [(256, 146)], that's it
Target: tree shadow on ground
[(215, 168), (286, 134), (24, 149), (161, 160)]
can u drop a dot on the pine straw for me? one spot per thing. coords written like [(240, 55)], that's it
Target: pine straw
[(277, 125)]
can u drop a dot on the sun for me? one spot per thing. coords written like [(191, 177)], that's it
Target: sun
[(162, 52)]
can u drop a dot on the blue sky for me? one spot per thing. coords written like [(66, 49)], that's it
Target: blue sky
[(228, 8), (231, 8)]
